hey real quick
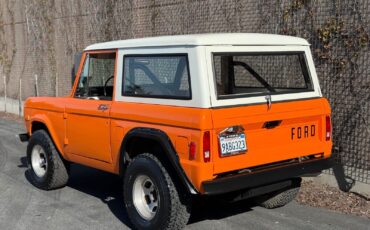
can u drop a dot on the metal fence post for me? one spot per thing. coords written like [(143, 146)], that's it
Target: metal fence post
[(36, 86), (20, 98), (4, 93), (56, 85)]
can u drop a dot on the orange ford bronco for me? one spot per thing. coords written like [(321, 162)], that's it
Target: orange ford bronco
[(176, 117)]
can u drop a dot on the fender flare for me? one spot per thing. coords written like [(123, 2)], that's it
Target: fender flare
[(45, 120), (166, 144)]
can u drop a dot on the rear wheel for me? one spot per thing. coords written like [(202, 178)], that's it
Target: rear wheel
[(279, 198), (46, 168), (151, 198)]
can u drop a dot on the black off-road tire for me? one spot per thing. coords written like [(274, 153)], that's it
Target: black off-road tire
[(174, 206), (279, 198), (56, 175)]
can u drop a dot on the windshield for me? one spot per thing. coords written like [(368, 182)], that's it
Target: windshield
[(254, 74)]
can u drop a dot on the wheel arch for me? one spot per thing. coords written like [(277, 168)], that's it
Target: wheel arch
[(160, 139), (43, 123)]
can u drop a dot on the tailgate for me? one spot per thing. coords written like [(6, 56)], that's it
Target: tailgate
[(286, 131)]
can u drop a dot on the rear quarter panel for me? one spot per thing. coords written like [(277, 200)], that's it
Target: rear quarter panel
[(182, 125)]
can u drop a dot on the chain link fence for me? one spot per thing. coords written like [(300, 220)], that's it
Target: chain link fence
[(39, 38)]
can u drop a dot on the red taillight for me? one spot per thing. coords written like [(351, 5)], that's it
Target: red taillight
[(207, 146), (192, 150), (328, 128)]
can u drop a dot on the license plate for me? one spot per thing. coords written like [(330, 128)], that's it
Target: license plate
[(232, 144)]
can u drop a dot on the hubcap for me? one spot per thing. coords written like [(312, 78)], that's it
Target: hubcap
[(39, 161), (145, 197)]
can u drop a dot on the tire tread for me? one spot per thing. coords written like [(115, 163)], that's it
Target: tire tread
[(180, 211), (279, 199), (58, 174)]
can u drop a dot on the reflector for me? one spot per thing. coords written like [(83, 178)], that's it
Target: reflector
[(206, 146)]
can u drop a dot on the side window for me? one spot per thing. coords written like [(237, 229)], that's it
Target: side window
[(96, 79), (157, 76)]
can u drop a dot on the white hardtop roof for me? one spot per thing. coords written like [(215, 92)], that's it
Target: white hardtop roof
[(235, 39)]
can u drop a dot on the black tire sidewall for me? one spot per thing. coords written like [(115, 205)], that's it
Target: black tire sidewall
[(40, 138), (146, 166)]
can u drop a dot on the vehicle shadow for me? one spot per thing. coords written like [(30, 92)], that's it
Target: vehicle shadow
[(214, 208), (108, 188), (23, 162), (105, 186)]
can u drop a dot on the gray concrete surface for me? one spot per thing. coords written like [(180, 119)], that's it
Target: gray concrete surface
[(92, 200)]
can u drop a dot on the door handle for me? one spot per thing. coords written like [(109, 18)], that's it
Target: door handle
[(103, 107), (271, 124)]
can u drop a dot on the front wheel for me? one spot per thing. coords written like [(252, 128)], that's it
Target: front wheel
[(46, 168), (152, 200)]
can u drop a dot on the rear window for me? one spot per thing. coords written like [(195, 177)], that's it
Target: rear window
[(157, 76), (250, 74)]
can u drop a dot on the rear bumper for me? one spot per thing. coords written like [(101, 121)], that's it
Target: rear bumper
[(264, 177)]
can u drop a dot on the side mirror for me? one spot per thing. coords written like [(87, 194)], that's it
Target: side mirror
[(77, 60)]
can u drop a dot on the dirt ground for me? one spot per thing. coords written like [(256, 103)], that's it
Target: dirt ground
[(325, 196), (11, 117)]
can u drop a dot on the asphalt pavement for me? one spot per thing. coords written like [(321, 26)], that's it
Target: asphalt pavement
[(93, 200)]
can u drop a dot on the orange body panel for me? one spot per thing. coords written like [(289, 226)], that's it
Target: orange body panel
[(79, 131), (87, 129), (181, 124), (99, 142), (276, 144), (48, 111)]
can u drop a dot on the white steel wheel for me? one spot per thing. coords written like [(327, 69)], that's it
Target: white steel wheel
[(145, 197), (39, 161)]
